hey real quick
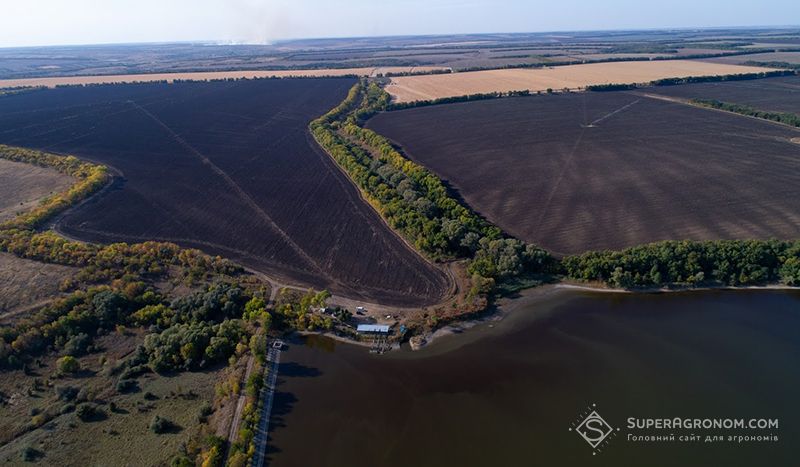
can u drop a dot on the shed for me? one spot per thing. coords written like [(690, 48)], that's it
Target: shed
[(373, 328)]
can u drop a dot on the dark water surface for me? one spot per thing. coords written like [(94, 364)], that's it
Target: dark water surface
[(507, 394)]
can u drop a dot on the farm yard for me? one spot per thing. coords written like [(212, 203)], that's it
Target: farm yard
[(779, 94), (587, 171), (229, 168), (426, 87)]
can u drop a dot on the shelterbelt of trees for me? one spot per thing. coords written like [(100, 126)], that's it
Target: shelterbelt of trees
[(786, 118), (414, 201), (689, 80), (774, 64)]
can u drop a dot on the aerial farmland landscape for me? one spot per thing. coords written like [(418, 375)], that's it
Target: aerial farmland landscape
[(442, 233)]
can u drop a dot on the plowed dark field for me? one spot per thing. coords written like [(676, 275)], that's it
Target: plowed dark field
[(230, 168), (781, 94), (586, 171)]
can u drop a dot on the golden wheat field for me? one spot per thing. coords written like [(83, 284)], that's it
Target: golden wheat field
[(424, 87)]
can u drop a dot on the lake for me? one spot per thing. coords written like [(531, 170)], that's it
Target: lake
[(513, 392)]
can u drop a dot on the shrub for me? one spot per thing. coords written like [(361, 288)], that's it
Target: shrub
[(127, 385), (77, 345), (204, 412), (161, 425), (68, 364), (181, 461), (88, 411), (29, 454), (66, 393)]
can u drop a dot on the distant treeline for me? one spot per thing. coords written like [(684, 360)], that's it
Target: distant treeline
[(717, 78), (186, 80), (687, 263), (689, 80), (617, 59), (438, 71), (414, 201), (786, 65), (610, 87), (781, 117), (451, 100)]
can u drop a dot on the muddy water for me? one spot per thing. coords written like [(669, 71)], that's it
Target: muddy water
[(508, 393)]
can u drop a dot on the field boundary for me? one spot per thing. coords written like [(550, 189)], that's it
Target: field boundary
[(699, 104), (453, 286)]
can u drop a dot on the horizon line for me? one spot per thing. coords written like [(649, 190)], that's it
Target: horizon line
[(235, 43)]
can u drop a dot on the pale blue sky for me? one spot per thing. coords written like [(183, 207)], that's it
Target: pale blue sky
[(49, 22)]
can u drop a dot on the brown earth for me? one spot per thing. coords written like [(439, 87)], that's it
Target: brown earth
[(23, 185), (779, 94), (229, 168), (411, 88), (25, 284), (589, 171)]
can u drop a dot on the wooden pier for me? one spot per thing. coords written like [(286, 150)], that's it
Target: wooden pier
[(267, 395)]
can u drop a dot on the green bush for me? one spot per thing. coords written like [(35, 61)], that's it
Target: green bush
[(89, 411), (68, 364), (66, 393), (161, 425), (127, 386)]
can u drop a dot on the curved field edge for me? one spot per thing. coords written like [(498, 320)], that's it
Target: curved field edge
[(670, 264), (132, 302)]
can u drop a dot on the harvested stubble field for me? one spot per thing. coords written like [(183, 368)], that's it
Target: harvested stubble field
[(51, 82), (780, 94), (413, 88), (587, 171), (25, 284), (23, 185), (230, 168)]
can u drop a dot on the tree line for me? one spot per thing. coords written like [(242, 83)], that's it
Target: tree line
[(786, 118), (414, 201), (690, 263), (688, 80)]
